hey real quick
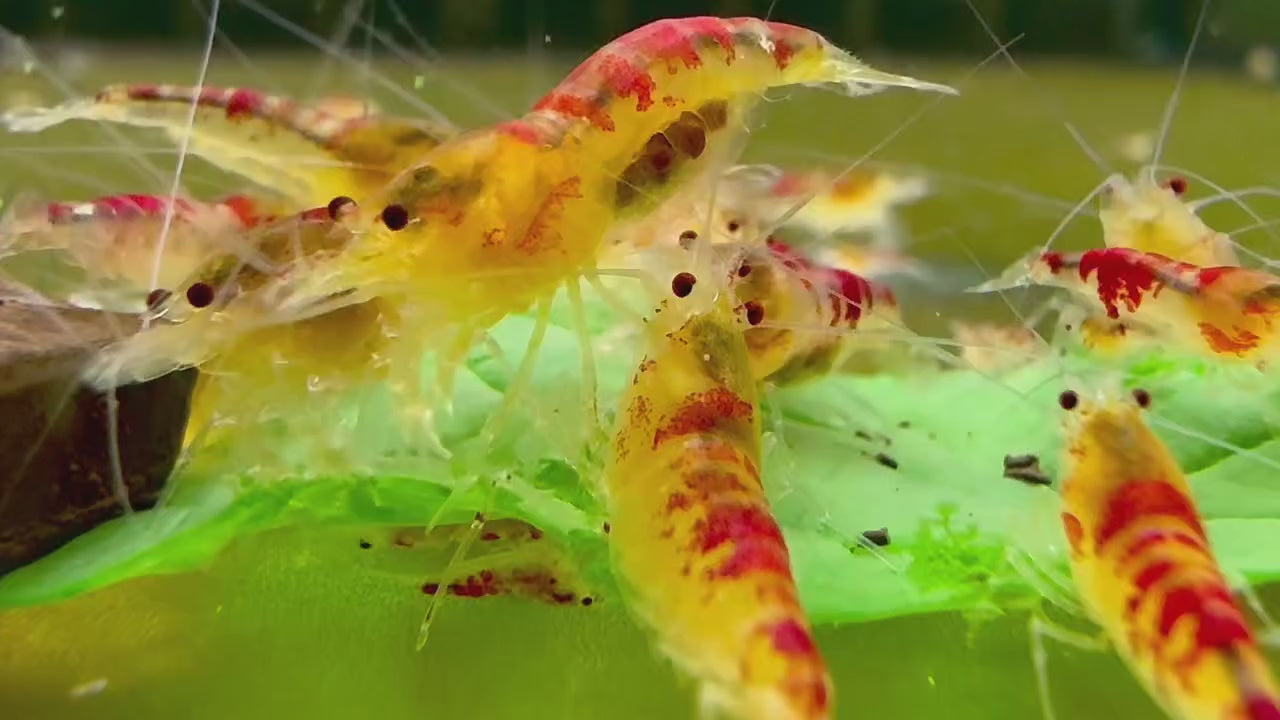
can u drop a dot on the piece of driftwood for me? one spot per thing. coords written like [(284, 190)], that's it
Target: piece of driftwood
[(55, 459)]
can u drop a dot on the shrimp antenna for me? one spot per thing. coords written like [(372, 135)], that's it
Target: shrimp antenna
[(183, 148), (329, 48), (350, 17), (1094, 156), (1170, 107), (915, 117)]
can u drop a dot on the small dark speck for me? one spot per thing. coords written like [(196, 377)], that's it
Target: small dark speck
[(886, 461), (606, 527), (365, 544), (862, 434), (904, 424), (1025, 468), (878, 537), (586, 601)]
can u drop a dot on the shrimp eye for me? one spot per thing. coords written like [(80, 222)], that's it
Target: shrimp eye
[(1142, 397), (1177, 184), (200, 295), (157, 297), (744, 270), (682, 284), (755, 312), (1068, 400), (689, 235), (395, 217), (734, 225), (339, 205)]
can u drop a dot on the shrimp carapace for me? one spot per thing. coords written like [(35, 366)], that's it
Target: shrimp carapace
[(306, 152), (1224, 312), (1156, 218), (1144, 568), (692, 533)]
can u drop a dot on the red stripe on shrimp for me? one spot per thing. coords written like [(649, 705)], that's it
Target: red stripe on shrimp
[(703, 412), (1144, 499)]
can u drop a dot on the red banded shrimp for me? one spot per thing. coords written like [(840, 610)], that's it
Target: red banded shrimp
[(497, 220), (1144, 568), (692, 535)]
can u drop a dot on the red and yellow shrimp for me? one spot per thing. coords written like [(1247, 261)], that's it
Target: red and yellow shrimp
[(106, 245), (495, 221), (692, 534), (1143, 566), (1225, 312)]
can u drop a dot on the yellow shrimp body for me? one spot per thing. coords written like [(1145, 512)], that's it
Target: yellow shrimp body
[(1144, 569), (692, 533), (491, 222), (1153, 218)]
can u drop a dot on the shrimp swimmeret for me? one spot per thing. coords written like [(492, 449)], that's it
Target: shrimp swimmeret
[(1143, 566), (692, 533), (495, 221)]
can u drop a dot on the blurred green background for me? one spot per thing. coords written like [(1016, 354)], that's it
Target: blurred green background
[(297, 624)]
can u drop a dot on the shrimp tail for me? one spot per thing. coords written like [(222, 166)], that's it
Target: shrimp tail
[(693, 535)]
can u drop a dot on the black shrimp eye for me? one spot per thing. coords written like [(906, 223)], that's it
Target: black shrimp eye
[(733, 226), (1142, 397), (688, 235), (682, 284), (744, 270), (339, 205), (395, 217), (755, 312), (1178, 185), (156, 298), (200, 295), (1068, 400)]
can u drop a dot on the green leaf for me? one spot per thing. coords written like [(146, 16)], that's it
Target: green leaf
[(963, 537)]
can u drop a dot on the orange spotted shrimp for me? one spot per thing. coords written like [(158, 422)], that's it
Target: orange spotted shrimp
[(692, 535), (1145, 571)]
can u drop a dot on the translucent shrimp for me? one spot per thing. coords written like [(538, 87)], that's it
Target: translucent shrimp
[(1223, 312), (308, 153), (692, 533), (746, 203), (497, 220), (1154, 218), (1145, 571), (804, 313), (96, 254)]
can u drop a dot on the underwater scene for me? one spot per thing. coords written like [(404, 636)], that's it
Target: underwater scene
[(709, 359)]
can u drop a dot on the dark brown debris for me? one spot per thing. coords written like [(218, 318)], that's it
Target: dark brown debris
[(55, 464), (1025, 468), (878, 537)]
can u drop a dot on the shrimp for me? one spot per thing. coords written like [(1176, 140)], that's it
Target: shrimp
[(1152, 217), (1225, 312), (308, 153), (497, 220), (692, 534), (1145, 571), (106, 245), (804, 312)]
